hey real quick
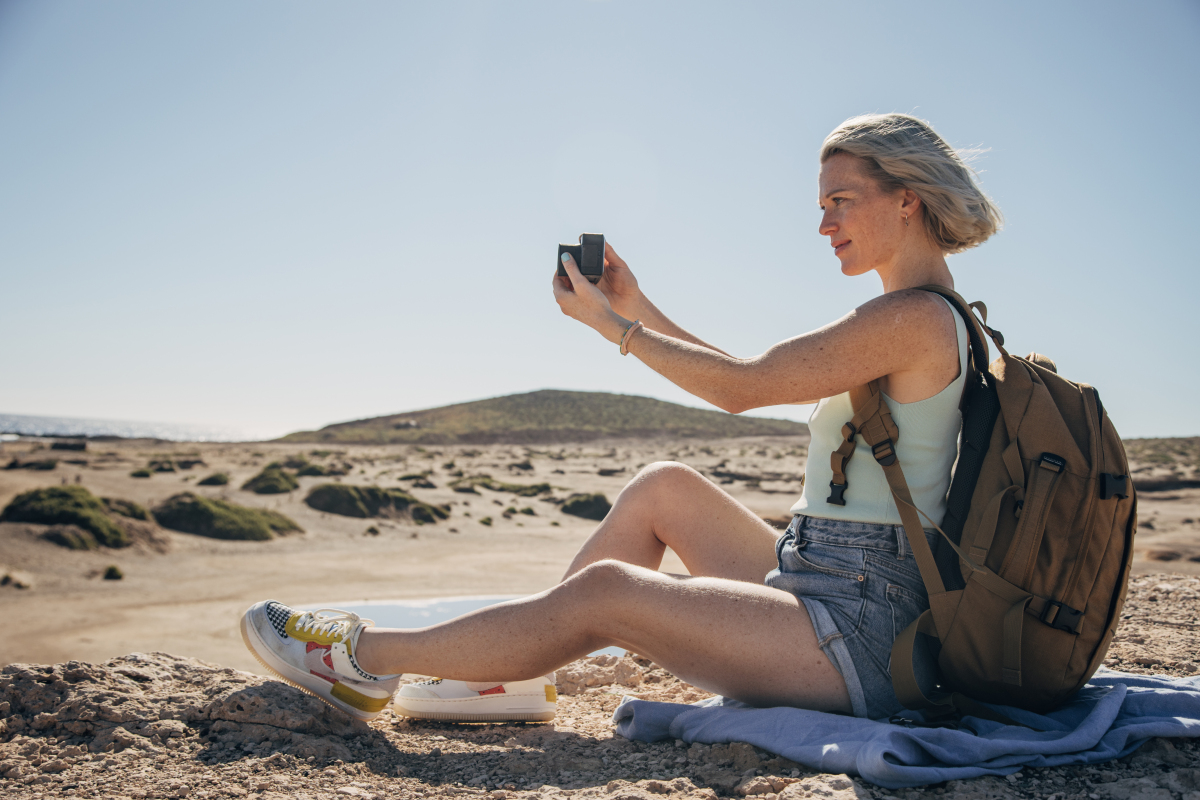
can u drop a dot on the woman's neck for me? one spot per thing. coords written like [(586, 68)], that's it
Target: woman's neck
[(918, 264)]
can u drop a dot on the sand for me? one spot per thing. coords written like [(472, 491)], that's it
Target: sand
[(183, 594), (187, 600)]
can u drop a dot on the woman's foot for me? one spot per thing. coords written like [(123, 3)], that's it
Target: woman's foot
[(461, 701), (314, 651)]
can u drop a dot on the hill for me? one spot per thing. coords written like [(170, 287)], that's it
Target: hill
[(547, 416)]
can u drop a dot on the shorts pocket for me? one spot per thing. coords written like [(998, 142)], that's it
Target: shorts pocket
[(906, 606), (831, 560)]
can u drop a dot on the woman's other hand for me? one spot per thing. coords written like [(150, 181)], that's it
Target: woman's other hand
[(579, 299), (619, 285)]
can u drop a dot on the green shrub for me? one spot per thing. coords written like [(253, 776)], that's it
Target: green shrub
[(162, 465), (66, 505), (313, 469), (485, 521), (126, 508), (216, 479), (140, 473), (218, 519), (529, 511), (71, 537), (370, 501), (113, 573), (272, 480), (468, 484), (588, 506), (43, 464)]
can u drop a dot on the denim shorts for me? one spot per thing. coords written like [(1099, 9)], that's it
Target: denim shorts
[(861, 586)]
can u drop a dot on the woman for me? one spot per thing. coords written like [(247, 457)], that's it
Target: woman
[(840, 584)]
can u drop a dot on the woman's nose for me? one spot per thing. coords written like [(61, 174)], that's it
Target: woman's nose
[(827, 225)]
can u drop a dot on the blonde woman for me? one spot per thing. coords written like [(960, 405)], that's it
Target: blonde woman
[(806, 619)]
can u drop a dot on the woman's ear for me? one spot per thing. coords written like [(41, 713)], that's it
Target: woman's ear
[(910, 203)]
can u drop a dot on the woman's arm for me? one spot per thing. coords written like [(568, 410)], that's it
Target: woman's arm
[(908, 336), (625, 296)]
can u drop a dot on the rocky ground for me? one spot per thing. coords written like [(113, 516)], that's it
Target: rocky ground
[(160, 726)]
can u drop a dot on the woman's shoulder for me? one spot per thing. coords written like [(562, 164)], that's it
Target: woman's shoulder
[(909, 311)]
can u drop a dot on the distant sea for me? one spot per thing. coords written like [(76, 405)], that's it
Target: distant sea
[(26, 425)]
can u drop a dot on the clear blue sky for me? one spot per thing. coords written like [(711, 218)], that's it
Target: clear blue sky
[(276, 215)]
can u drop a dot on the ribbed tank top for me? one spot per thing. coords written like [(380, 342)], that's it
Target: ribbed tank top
[(927, 449)]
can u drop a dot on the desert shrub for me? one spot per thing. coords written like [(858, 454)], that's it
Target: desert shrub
[(43, 464), (588, 506), (162, 465), (140, 473), (218, 519), (370, 501), (216, 479), (423, 513), (485, 521), (66, 505), (71, 537), (468, 484), (313, 469), (69, 445), (529, 511), (126, 508), (272, 480), (113, 573), (295, 462)]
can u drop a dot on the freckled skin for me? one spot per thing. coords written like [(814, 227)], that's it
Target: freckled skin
[(720, 628)]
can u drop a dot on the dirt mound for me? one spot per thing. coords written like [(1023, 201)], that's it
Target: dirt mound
[(218, 519)]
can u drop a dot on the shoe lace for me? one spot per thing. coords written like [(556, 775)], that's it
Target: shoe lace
[(430, 682), (329, 621)]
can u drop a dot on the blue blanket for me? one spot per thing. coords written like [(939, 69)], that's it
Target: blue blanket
[(1110, 717)]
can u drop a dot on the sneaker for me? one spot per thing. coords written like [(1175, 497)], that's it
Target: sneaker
[(314, 651), (464, 701)]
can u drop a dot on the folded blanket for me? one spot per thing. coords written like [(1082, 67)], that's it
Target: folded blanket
[(1110, 717)]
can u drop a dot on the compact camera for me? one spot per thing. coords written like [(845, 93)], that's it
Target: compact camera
[(588, 255)]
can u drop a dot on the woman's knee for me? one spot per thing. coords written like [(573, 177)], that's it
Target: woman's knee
[(606, 578), (668, 478)]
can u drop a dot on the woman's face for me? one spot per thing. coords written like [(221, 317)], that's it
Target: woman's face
[(865, 224)]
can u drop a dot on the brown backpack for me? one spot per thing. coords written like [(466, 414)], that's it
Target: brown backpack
[(1029, 576)]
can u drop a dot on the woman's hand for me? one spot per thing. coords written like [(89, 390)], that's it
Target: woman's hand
[(619, 285), (580, 300)]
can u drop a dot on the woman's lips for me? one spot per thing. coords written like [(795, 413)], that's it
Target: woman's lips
[(840, 246)]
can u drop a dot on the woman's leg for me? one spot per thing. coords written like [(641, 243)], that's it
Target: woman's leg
[(672, 505), (740, 639)]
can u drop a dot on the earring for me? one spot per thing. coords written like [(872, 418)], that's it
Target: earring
[(906, 220)]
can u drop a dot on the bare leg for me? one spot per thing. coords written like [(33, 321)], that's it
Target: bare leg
[(672, 505), (743, 640)]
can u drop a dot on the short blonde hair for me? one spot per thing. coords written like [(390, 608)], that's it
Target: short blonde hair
[(904, 152)]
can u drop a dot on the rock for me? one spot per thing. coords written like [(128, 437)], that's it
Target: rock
[(1134, 789), (827, 787), (15, 578), (754, 785), (987, 788), (1181, 781), (578, 677), (1158, 751)]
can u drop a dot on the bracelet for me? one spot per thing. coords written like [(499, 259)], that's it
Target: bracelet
[(629, 332)]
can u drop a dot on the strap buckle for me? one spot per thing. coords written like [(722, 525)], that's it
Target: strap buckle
[(837, 494), (884, 452), (1113, 486), (1062, 617)]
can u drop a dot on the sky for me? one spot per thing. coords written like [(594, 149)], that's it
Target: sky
[(271, 216)]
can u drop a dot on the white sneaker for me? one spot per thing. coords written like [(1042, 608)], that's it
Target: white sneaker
[(314, 651), (463, 701)]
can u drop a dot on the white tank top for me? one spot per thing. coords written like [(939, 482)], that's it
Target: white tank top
[(927, 450)]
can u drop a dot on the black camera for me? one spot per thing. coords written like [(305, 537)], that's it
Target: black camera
[(588, 255)]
